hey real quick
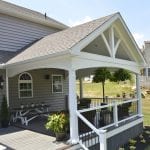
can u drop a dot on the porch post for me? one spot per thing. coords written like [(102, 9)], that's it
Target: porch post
[(103, 140), (81, 87), (138, 91), (73, 107), (7, 87)]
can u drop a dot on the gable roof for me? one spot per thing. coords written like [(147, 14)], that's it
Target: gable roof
[(60, 41), (70, 39), (30, 15)]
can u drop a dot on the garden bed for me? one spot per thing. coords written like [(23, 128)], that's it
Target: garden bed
[(142, 142)]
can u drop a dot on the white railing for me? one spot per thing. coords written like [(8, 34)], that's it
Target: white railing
[(100, 131)]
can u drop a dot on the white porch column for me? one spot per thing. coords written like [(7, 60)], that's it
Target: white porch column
[(138, 91), (81, 87), (73, 107), (103, 140), (115, 113), (7, 87)]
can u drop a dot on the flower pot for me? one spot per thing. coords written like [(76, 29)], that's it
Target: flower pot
[(60, 136), (4, 123)]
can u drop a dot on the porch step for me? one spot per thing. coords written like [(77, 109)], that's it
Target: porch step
[(75, 147), (78, 147)]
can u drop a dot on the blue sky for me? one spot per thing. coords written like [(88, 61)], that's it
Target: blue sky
[(72, 12)]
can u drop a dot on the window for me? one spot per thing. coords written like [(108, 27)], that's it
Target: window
[(57, 83), (25, 85)]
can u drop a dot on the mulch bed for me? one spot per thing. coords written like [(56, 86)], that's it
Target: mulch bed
[(142, 141)]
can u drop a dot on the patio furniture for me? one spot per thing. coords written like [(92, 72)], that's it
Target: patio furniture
[(84, 103), (28, 113)]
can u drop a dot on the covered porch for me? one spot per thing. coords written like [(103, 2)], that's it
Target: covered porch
[(110, 45)]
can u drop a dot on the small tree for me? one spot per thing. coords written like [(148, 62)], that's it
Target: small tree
[(101, 75), (121, 75)]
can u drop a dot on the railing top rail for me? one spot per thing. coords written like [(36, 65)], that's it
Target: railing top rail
[(108, 105), (89, 124), (127, 101), (95, 108), (109, 98)]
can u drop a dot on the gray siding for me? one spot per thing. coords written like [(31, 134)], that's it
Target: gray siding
[(42, 90), (123, 137), (3, 91), (16, 33)]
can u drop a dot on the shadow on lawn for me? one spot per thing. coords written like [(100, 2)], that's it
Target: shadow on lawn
[(142, 142)]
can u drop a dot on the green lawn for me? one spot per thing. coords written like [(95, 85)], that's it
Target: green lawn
[(111, 90)]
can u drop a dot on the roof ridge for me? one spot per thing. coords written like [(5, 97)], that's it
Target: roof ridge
[(97, 19), (111, 15)]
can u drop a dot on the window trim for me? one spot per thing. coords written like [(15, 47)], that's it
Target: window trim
[(25, 81), (61, 83)]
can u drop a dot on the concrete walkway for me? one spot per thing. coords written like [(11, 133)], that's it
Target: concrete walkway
[(14, 138)]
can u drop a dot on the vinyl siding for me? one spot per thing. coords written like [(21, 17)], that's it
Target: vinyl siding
[(3, 91), (16, 33), (42, 90)]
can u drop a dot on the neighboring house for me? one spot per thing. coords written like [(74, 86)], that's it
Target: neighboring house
[(41, 58), (145, 79)]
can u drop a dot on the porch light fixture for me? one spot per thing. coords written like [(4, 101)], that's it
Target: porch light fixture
[(1, 82)]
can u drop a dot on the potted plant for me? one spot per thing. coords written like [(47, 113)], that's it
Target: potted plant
[(58, 123), (4, 113)]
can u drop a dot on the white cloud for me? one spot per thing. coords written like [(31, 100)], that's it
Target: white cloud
[(139, 37), (77, 22)]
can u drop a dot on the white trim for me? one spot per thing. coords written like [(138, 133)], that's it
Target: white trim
[(116, 46), (83, 43), (131, 37), (7, 87), (57, 75), (89, 124), (63, 53), (111, 38), (87, 60), (124, 127), (26, 81), (107, 45), (83, 146)]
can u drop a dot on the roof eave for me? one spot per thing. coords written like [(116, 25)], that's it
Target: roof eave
[(45, 22), (66, 52)]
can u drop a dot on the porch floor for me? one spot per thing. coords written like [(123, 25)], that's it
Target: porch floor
[(13, 138), (37, 125)]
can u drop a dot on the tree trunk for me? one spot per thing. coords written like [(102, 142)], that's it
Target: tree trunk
[(103, 86)]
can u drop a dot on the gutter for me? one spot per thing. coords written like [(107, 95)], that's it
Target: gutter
[(2, 66), (67, 52)]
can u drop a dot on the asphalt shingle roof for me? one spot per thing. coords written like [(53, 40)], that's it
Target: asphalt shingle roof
[(60, 41), (5, 56)]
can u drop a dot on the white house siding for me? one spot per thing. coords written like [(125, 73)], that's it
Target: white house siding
[(42, 90), (17, 33)]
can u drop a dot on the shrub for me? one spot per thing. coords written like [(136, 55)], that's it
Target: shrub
[(132, 142), (132, 147), (57, 123), (4, 113)]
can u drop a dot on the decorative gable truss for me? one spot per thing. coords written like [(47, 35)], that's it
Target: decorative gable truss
[(112, 41)]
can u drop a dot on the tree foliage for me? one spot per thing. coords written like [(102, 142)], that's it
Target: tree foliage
[(121, 75), (101, 75)]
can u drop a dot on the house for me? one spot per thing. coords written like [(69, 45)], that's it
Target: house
[(41, 59), (145, 80)]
